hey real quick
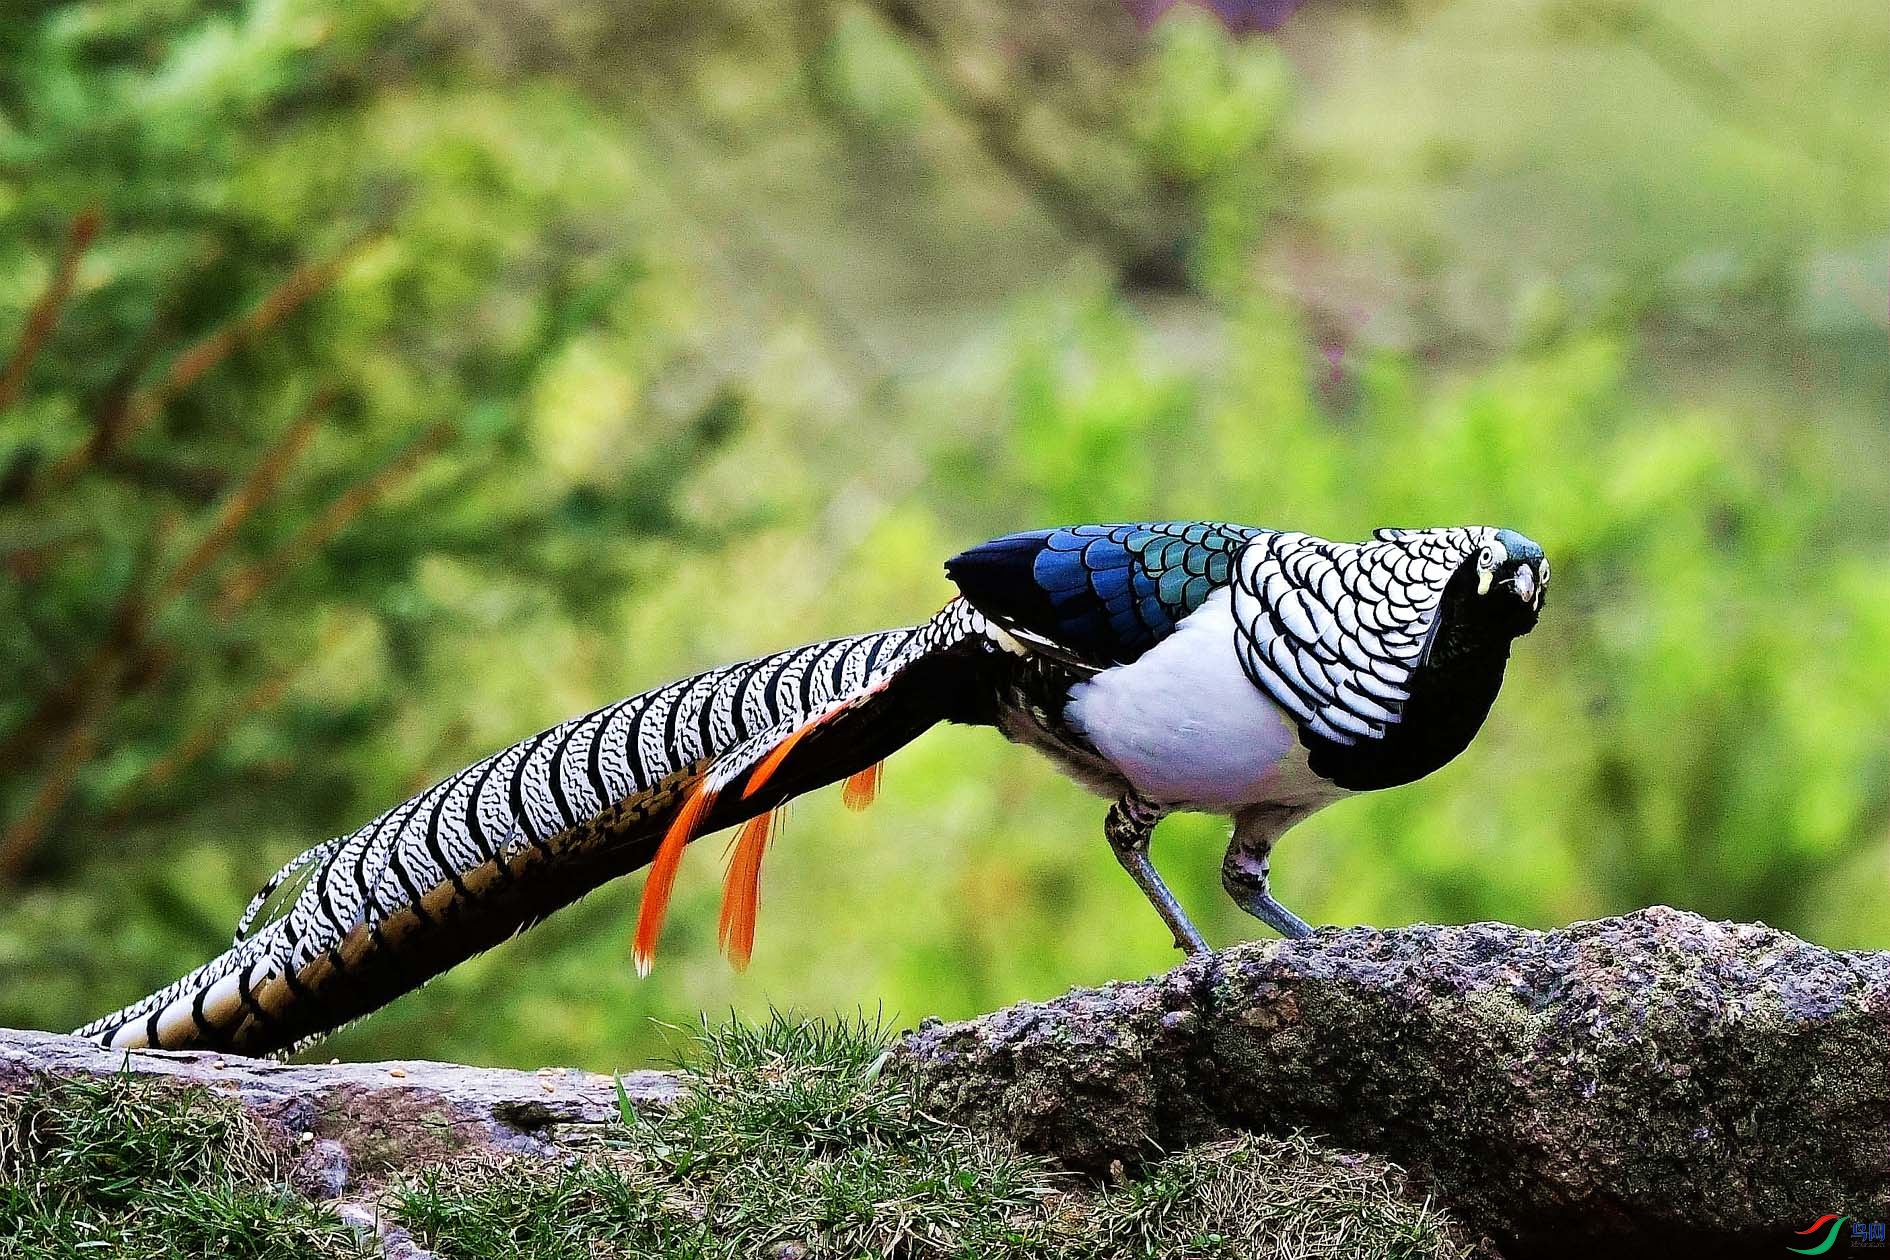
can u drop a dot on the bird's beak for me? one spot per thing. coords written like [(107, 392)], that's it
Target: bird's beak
[(1525, 585)]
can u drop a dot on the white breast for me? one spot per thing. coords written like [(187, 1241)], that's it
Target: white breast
[(1186, 727)]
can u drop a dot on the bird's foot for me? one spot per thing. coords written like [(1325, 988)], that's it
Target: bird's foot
[(1246, 881), (1188, 938), (1278, 917), (1129, 827)]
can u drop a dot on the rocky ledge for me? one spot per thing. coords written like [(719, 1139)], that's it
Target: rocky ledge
[(1623, 1086)]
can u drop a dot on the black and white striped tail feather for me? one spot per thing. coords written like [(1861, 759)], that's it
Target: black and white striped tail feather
[(494, 848)]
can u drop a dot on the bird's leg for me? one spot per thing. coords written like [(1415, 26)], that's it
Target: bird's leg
[(1244, 870), (1130, 825)]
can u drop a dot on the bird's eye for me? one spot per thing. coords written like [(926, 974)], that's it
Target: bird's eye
[(1486, 558)]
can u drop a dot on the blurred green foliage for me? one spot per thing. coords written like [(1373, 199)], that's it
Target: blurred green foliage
[(413, 376)]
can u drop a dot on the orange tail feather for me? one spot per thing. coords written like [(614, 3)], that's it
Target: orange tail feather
[(741, 894), (772, 762), (862, 789), (662, 878)]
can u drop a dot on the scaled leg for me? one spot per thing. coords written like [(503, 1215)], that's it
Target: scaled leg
[(1130, 825), (1244, 871)]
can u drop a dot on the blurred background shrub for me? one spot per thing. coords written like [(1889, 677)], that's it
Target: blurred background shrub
[(382, 381)]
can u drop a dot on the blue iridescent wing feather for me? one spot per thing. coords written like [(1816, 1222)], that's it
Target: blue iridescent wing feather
[(1102, 594)]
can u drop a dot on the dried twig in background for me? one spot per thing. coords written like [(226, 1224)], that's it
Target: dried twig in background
[(144, 405), (44, 316), (242, 502), (247, 583), (193, 747)]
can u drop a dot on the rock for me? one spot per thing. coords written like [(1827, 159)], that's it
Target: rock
[(361, 1119), (394, 1241), (1647, 1082)]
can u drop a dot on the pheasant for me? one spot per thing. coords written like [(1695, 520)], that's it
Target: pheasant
[(1176, 665)]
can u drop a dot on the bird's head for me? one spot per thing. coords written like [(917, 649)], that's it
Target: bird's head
[(1504, 583), (1494, 595)]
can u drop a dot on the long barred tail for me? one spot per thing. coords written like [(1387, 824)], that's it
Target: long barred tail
[(495, 848)]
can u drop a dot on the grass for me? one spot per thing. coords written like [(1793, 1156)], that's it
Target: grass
[(789, 1141), (119, 1168)]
